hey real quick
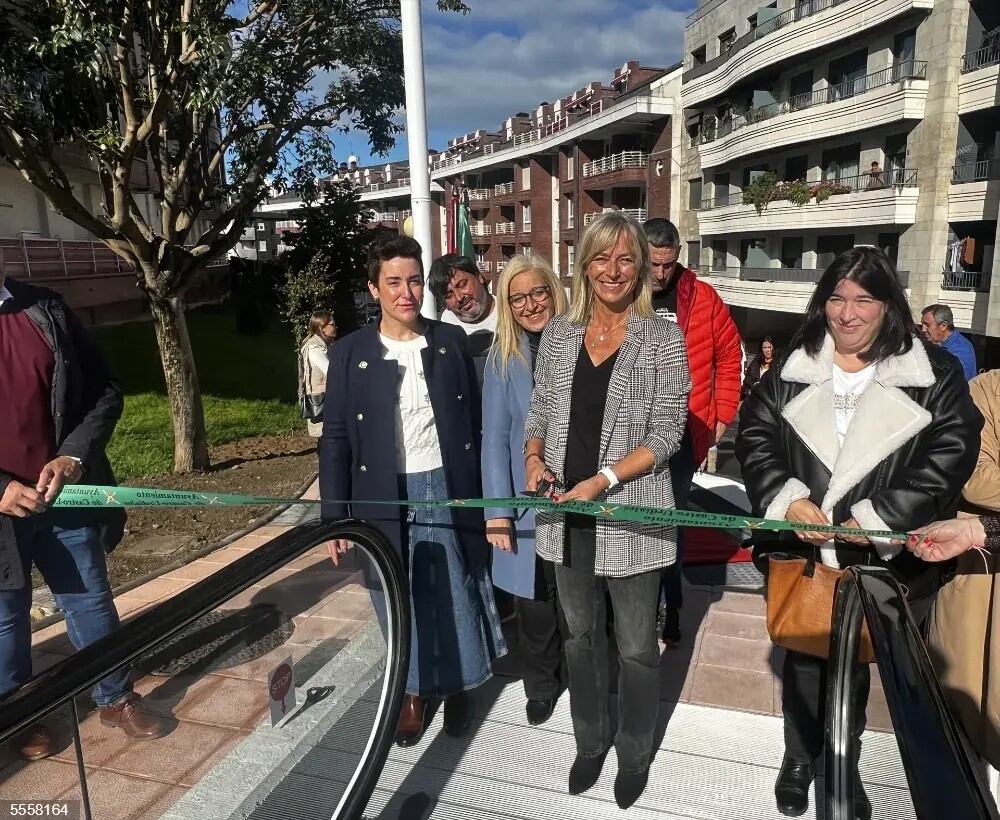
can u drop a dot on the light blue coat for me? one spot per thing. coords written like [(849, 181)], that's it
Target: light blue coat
[(505, 406)]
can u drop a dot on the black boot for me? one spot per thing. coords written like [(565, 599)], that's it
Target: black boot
[(629, 787), (539, 711), (456, 714), (791, 791), (585, 772)]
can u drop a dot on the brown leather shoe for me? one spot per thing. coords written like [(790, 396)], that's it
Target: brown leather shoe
[(35, 743), (128, 715), (412, 721)]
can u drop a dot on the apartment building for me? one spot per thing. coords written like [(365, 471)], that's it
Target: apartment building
[(815, 125), (536, 181)]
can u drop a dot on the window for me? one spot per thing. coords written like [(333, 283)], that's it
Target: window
[(261, 226), (698, 56), (796, 167), (827, 248), (719, 254), (847, 75), (262, 245), (570, 166), (800, 89), (694, 255), (694, 193), (889, 243), (720, 182), (526, 216), (526, 250), (726, 41), (693, 130), (753, 253), (526, 178), (569, 212), (570, 257), (842, 164), (791, 252), (752, 20), (904, 50)]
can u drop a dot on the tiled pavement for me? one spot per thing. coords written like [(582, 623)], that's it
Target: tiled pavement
[(725, 661)]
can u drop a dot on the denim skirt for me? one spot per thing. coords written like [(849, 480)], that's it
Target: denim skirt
[(456, 632)]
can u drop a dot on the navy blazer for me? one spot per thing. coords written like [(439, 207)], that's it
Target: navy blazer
[(505, 406), (357, 455)]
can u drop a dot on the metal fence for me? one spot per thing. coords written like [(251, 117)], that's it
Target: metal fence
[(976, 171), (986, 56), (966, 280), (894, 179), (616, 162), (801, 275)]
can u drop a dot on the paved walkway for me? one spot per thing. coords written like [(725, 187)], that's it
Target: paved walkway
[(219, 712)]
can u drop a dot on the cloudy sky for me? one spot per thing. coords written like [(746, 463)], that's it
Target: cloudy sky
[(508, 55)]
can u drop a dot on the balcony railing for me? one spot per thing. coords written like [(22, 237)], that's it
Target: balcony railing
[(638, 214), (555, 127), (615, 162), (484, 267), (503, 228), (480, 230), (505, 188), (976, 171), (479, 194), (901, 72), (894, 179), (383, 186), (804, 275), (501, 265), (447, 162), (793, 15), (967, 280), (526, 137), (986, 56)]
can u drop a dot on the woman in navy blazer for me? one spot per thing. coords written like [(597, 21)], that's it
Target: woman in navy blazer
[(528, 296), (402, 421)]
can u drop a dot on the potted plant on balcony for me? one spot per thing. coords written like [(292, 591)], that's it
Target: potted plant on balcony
[(761, 191)]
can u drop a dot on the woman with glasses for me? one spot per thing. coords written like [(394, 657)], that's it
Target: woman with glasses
[(528, 296), (607, 412), (313, 363)]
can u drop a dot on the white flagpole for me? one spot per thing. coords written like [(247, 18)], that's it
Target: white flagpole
[(416, 136)]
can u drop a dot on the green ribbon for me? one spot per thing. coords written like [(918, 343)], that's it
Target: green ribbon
[(84, 495)]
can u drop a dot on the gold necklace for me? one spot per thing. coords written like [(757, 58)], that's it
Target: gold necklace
[(608, 331)]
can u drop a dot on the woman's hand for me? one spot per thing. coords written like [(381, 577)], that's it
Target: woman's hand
[(861, 540), (944, 540), (498, 533), (336, 548), (534, 471), (804, 511), (586, 490)]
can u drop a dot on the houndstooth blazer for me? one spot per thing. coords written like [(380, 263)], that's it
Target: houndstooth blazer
[(646, 405)]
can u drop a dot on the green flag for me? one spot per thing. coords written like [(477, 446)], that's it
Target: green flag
[(463, 239)]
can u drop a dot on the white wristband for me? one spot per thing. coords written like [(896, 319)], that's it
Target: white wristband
[(609, 474)]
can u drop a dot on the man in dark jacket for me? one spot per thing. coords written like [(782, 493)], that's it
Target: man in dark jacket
[(58, 408)]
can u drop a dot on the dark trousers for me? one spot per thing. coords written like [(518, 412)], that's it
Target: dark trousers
[(541, 629), (582, 595), (682, 469), (803, 696)]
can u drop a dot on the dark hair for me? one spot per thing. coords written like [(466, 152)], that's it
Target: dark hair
[(443, 269), (661, 233), (760, 348), (871, 269), (319, 320), (392, 246)]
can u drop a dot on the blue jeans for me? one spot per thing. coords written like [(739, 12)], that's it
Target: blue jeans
[(682, 469), (73, 564)]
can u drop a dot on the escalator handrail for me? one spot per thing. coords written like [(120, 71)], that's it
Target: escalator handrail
[(78, 673), (942, 770)]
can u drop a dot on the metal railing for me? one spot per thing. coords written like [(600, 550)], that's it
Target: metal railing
[(484, 267), (555, 127), (526, 138), (943, 773), (981, 58), (896, 180), (501, 265), (702, 10), (503, 228), (479, 194), (480, 230), (384, 186), (793, 15), (638, 214), (615, 162), (807, 275), (967, 280), (901, 72), (976, 171), (505, 188)]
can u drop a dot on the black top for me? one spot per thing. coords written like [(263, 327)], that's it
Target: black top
[(665, 301), (534, 339), (586, 416)]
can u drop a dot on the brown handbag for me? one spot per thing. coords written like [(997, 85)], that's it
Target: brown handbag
[(800, 594)]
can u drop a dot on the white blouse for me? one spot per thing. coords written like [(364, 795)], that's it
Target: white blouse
[(417, 447), (847, 390)]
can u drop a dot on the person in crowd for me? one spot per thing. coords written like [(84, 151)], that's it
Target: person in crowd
[(965, 618), (860, 424), (313, 361), (457, 283), (875, 177), (607, 412), (715, 357), (528, 297), (759, 365), (402, 421), (938, 324), (59, 405)]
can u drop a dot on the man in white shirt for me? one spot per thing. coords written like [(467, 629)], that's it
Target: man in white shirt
[(457, 283)]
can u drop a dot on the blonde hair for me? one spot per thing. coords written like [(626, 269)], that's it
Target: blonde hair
[(507, 342), (599, 237)]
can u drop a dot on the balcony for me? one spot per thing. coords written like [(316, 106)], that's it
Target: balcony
[(504, 229), (501, 265), (983, 58), (479, 197), (974, 194), (977, 86), (975, 171), (480, 230), (390, 216), (886, 198), (638, 214), (885, 97), (965, 280), (796, 32), (484, 267), (625, 168)]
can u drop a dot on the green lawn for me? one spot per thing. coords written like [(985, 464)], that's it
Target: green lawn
[(248, 383)]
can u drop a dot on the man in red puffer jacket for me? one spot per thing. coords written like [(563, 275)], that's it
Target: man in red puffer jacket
[(715, 356)]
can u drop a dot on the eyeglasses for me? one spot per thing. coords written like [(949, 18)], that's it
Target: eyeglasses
[(538, 295)]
